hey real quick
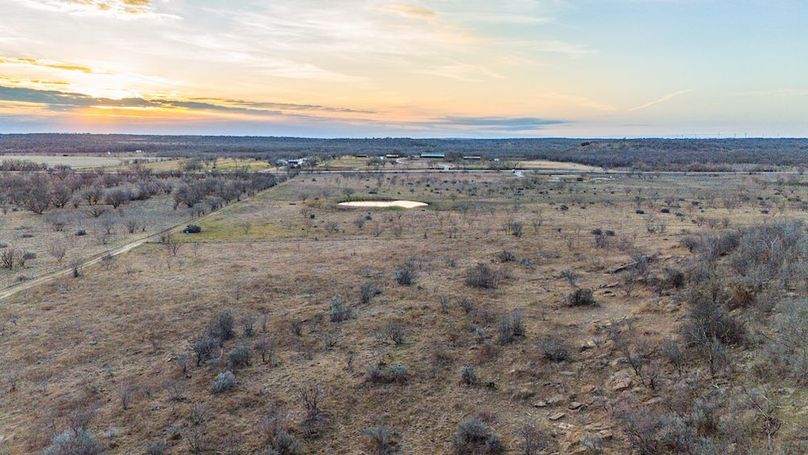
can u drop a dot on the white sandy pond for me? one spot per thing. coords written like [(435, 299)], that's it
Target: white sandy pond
[(383, 204)]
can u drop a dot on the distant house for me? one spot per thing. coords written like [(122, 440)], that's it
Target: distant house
[(433, 156), (472, 157), (360, 155), (293, 164), (392, 156)]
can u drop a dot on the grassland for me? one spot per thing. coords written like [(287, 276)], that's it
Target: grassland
[(119, 339)]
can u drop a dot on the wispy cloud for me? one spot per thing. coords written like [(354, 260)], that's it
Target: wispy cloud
[(57, 100), (660, 100), (123, 9), (44, 63), (410, 10)]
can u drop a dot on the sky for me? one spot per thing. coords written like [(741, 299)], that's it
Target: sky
[(429, 68)]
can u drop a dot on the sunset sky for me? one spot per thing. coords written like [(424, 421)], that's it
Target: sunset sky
[(437, 68)]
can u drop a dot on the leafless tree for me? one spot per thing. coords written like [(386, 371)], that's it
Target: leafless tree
[(57, 249)]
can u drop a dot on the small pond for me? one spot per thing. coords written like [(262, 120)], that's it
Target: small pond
[(383, 204)]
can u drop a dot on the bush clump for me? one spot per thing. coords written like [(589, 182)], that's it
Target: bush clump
[(475, 437), (367, 291), (75, 441), (511, 327), (338, 311), (204, 349), (284, 443), (388, 374), (405, 276), (222, 326), (483, 276), (506, 256), (468, 376), (383, 441), (224, 382), (581, 297), (555, 349), (239, 357)]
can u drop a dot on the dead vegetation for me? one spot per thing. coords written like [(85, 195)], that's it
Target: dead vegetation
[(433, 330)]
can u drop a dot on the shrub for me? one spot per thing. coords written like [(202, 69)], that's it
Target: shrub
[(248, 325), (506, 256), (265, 348), (239, 357), (505, 331), (581, 297), (640, 425), (474, 437), (388, 374), (570, 276), (468, 376), (788, 344), (515, 228), (222, 326), (284, 443), (483, 276), (338, 311), (405, 276), (224, 382), (315, 421), (383, 441), (710, 321), (673, 354), (674, 278), (555, 349), (157, 448), (393, 331), (467, 305), (534, 439), (367, 291), (204, 349), (75, 441), (510, 327)]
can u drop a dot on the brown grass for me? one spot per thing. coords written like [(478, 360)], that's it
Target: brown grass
[(76, 342)]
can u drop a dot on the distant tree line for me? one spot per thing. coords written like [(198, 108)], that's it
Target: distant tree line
[(651, 154)]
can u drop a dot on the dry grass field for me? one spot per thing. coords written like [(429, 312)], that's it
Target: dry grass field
[(533, 314), (353, 163)]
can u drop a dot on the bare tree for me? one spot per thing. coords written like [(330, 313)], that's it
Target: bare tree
[(57, 249)]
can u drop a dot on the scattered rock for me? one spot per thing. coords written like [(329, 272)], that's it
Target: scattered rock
[(620, 384), (575, 405), (590, 344), (557, 416)]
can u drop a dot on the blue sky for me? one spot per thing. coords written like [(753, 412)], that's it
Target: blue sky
[(448, 68)]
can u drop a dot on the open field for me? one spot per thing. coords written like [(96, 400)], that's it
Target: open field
[(386, 318), (352, 163)]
